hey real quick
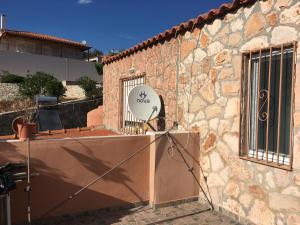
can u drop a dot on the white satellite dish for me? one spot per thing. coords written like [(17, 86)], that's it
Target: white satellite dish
[(144, 103)]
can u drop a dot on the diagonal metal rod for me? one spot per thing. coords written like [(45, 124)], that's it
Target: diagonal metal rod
[(102, 176), (190, 169)]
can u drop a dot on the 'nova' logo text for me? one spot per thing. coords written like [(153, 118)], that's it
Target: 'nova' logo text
[(142, 98)]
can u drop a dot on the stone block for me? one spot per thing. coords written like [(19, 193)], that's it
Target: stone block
[(199, 55), (272, 18), (246, 200), (208, 92), (214, 180), (282, 4), (257, 191), (230, 87), (281, 177), (296, 179), (255, 24), (232, 140), (213, 123), (209, 142), (214, 48), (293, 219), (216, 162), (255, 43), (261, 214), (291, 15), (291, 190), (213, 111), (223, 57), (214, 27), (283, 34), (234, 207), (232, 108), (232, 189), (234, 39), (279, 202), (204, 40), (186, 47), (197, 104), (237, 25), (270, 180), (226, 73)]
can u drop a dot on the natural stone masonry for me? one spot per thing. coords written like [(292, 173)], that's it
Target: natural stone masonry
[(206, 65), (74, 92), (8, 92)]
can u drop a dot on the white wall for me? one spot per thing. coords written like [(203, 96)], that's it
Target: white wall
[(61, 68)]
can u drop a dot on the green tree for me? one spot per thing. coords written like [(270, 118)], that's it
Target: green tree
[(41, 84), (12, 78), (90, 87)]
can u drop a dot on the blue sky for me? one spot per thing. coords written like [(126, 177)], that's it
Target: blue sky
[(104, 24)]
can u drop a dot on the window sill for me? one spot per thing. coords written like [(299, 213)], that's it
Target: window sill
[(263, 162), (272, 157)]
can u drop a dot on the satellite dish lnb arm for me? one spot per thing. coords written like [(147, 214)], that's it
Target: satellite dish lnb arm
[(154, 109)]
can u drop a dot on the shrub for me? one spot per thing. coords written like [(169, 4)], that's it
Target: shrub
[(41, 83), (12, 78), (55, 88), (90, 87)]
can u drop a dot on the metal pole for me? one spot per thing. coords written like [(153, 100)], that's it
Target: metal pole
[(8, 211), (28, 187)]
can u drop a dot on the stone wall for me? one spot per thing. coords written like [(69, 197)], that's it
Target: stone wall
[(73, 91), (8, 91), (72, 115), (206, 62)]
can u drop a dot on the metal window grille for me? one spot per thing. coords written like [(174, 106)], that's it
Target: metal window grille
[(130, 124), (267, 96)]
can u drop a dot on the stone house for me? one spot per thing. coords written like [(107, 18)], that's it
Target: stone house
[(233, 75)]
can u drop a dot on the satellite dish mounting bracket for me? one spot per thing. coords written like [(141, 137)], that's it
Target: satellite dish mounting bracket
[(154, 109)]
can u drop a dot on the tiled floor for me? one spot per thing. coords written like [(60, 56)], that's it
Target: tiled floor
[(185, 214)]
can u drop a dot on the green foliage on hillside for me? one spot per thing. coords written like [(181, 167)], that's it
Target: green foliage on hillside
[(41, 84), (12, 78), (91, 90)]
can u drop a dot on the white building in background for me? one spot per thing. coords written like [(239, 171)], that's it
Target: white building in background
[(23, 52)]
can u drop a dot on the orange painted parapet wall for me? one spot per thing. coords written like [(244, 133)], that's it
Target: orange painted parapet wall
[(95, 117), (66, 165), (170, 179)]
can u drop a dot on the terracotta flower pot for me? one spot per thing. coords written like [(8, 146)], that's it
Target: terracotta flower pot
[(26, 130)]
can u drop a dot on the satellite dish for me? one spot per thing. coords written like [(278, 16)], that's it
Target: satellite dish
[(144, 103)]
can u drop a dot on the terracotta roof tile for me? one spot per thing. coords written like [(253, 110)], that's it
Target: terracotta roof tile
[(188, 25), (45, 37)]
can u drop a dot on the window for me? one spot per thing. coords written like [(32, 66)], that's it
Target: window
[(267, 105), (130, 124), (25, 46)]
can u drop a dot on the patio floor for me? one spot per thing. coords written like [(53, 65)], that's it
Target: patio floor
[(192, 213)]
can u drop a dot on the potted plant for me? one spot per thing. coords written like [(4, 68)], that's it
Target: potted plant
[(26, 125)]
